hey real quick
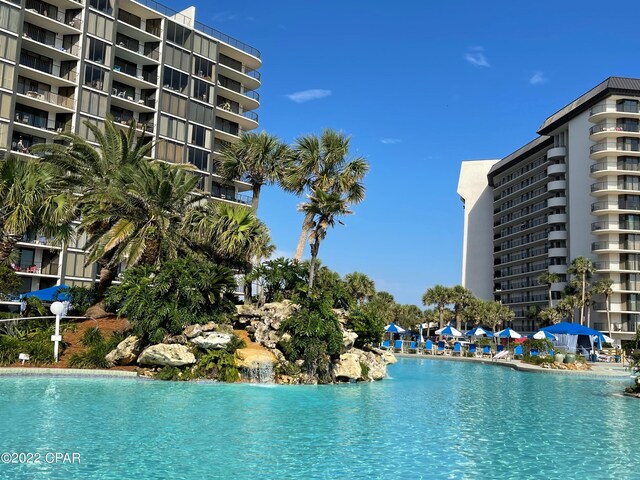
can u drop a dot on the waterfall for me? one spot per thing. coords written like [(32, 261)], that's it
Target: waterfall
[(259, 372)]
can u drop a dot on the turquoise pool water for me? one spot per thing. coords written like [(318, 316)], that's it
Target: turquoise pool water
[(432, 419)]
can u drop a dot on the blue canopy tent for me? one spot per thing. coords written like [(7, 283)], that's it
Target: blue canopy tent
[(49, 294), (573, 335)]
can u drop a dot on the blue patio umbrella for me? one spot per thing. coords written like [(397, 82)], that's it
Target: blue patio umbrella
[(479, 332), (449, 331), (508, 333), (393, 328), (542, 334)]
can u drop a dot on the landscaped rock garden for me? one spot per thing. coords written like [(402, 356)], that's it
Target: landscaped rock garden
[(261, 356)]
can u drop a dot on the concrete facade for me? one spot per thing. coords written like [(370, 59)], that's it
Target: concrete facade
[(573, 191)]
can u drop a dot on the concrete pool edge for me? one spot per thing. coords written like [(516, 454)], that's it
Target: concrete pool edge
[(65, 372), (600, 372)]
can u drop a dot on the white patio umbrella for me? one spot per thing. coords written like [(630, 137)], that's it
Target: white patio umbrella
[(449, 331)]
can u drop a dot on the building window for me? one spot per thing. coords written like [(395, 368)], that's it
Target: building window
[(94, 76), (627, 105), (97, 50), (175, 80), (199, 158)]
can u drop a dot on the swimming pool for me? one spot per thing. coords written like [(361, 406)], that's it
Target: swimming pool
[(432, 419)]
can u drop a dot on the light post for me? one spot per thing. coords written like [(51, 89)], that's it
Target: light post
[(56, 308)]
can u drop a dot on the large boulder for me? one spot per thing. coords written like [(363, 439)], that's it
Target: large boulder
[(254, 358), (376, 366), (348, 338), (167, 355), (212, 340), (192, 330), (348, 367), (125, 353)]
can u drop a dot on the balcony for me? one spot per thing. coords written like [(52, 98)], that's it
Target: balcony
[(135, 77), (136, 52), (557, 169), (46, 70), (601, 150), (35, 268), (558, 269), (557, 252), (614, 187), (556, 185), (557, 218), (248, 120), (36, 98), (612, 130), (557, 202), (49, 17), (129, 99), (34, 38), (608, 110), (557, 235), (556, 152)]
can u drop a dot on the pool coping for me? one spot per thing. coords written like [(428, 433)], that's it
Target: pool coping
[(65, 372), (523, 367)]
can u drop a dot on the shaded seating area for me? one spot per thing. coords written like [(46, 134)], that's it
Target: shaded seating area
[(428, 347)]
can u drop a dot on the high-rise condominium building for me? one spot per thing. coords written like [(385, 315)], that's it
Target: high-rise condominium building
[(573, 191), (64, 63)]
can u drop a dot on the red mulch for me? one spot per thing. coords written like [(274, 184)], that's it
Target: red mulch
[(107, 326)]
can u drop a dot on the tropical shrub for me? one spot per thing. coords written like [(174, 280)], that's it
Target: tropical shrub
[(218, 364), (81, 298), (161, 300), (367, 324), (10, 281), (98, 348), (315, 337), (280, 278), (36, 343)]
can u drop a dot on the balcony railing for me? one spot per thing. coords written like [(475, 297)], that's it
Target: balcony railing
[(46, 66), (36, 268), (48, 97), (613, 128), (613, 108), (133, 97), (238, 197), (137, 47)]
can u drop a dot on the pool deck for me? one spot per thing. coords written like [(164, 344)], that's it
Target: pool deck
[(598, 370)]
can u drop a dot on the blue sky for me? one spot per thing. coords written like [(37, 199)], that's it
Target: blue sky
[(420, 86)]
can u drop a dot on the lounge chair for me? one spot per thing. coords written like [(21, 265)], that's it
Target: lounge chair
[(413, 347), (440, 350), (486, 350), (517, 351), (500, 348), (428, 347), (457, 349), (535, 352), (398, 346), (385, 345), (502, 355), (473, 348)]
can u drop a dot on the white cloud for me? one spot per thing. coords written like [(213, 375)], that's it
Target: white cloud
[(538, 78), (390, 141), (475, 56), (306, 95)]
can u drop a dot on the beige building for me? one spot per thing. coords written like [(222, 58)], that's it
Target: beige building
[(573, 191), (65, 62)]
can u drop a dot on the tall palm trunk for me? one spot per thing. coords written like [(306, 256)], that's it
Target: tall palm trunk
[(584, 281), (550, 302), (7, 244), (312, 264), (608, 303), (255, 200), (441, 312), (307, 224), (107, 276), (458, 320)]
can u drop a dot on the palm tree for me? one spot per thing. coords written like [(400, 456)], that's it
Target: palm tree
[(322, 164), (439, 296), (582, 268), (567, 306), (324, 208), (604, 286), (550, 316), (32, 199), (141, 216), (360, 286), (494, 314), (89, 171), (256, 158), (461, 298), (548, 278)]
